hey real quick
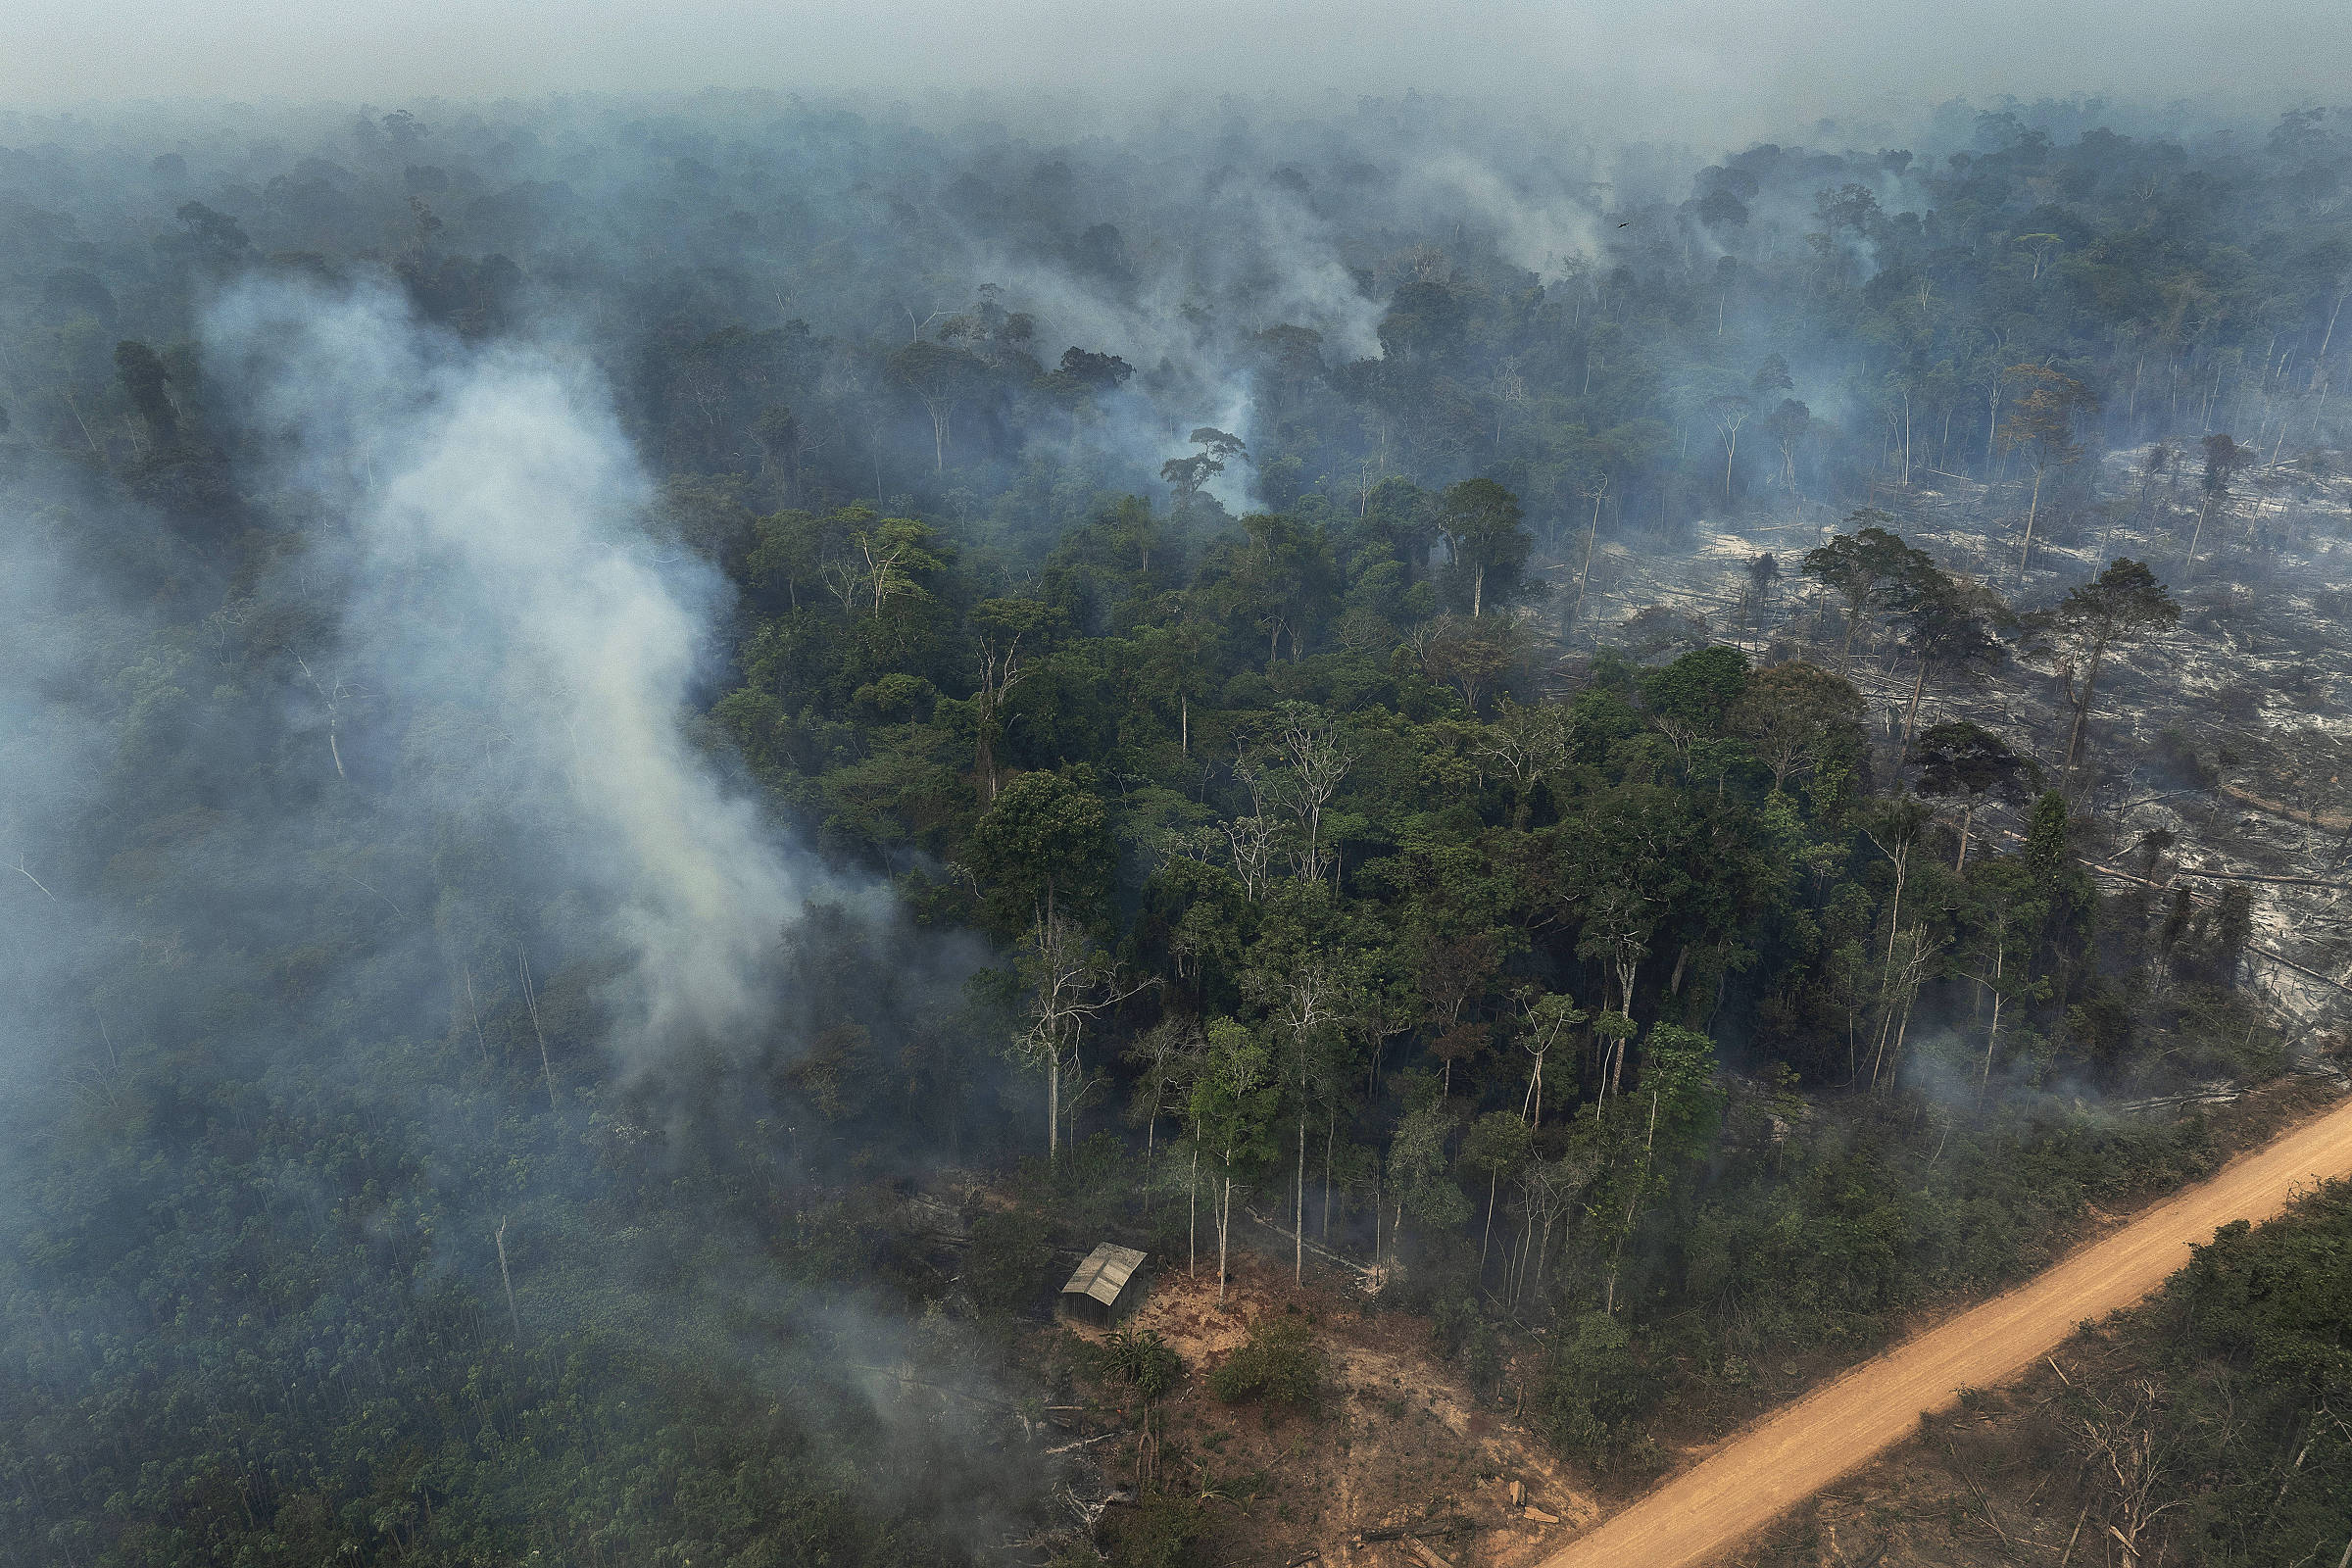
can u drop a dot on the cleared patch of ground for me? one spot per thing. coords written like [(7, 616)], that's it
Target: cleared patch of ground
[(1399, 1442), (2232, 734)]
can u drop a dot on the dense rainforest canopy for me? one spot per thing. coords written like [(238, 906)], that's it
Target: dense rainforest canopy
[(599, 700)]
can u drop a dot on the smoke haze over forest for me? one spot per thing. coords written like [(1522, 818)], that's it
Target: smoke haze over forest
[(1627, 695), (1690, 71)]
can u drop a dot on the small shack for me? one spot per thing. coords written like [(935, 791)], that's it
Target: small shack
[(1106, 1287)]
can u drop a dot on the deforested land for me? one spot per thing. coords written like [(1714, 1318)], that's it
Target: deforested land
[(658, 759)]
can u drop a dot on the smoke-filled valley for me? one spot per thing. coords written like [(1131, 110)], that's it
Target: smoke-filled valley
[(656, 758)]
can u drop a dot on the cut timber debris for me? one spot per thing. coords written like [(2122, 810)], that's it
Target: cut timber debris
[(1368, 1277), (1540, 1516), (1451, 1526), (1429, 1558), (2326, 822), (1518, 1493)]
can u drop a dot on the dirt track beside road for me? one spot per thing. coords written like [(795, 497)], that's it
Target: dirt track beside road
[(1799, 1449)]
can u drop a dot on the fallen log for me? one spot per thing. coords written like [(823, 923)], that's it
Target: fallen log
[(1454, 1525), (1361, 1270), (1429, 1558), (2322, 820), (2185, 874)]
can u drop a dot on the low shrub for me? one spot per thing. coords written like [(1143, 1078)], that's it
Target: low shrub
[(1280, 1364), (1143, 1361), (1164, 1529)]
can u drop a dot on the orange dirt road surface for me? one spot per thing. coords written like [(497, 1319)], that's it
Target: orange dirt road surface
[(1795, 1452)]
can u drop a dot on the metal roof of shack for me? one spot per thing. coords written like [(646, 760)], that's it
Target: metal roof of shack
[(1104, 1273)]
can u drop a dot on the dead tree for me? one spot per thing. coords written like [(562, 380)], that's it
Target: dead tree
[(2129, 1452), (530, 1002), (1071, 982), (1307, 746)]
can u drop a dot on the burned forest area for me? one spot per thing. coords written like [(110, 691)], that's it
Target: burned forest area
[(1515, 796)]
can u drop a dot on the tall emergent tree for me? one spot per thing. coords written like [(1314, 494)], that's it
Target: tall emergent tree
[(1871, 569), (1233, 1102), (2121, 606), (1044, 854), (1187, 477), (2041, 422), (1974, 764), (2224, 456), (1480, 523)]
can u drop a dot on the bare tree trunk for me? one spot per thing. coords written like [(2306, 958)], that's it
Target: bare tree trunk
[(1902, 1032), (1493, 1178), (1984, 1082), (1584, 573), (1633, 1208), (507, 1280), (2073, 741), (2317, 362), (1894, 912), (1224, 1223), (2033, 507), (530, 1002), (1298, 1209), (1192, 1219), (1527, 1238), (66, 395), (1331, 1122), (476, 1011), (2189, 566), (1992, 424)]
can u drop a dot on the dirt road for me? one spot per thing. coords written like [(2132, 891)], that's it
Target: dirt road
[(1795, 1452)]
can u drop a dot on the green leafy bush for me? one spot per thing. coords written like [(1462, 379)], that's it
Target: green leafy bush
[(1592, 1386), (1143, 1360), (1164, 1529), (1280, 1363)]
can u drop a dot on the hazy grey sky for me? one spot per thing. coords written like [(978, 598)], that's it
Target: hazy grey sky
[(1702, 66)]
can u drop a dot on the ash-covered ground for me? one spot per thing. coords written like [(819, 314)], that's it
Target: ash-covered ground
[(2217, 753)]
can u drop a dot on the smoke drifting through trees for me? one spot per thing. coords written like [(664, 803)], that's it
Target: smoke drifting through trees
[(455, 554), (814, 307), (445, 932), (496, 602)]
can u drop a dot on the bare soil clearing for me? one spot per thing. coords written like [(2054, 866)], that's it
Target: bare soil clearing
[(1400, 1439), (1788, 1456)]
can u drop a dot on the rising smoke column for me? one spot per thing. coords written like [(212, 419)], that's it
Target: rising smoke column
[(496, 591)]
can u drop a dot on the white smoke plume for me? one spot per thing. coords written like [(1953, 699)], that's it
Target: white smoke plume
[(495, 584), (1542, 230)]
